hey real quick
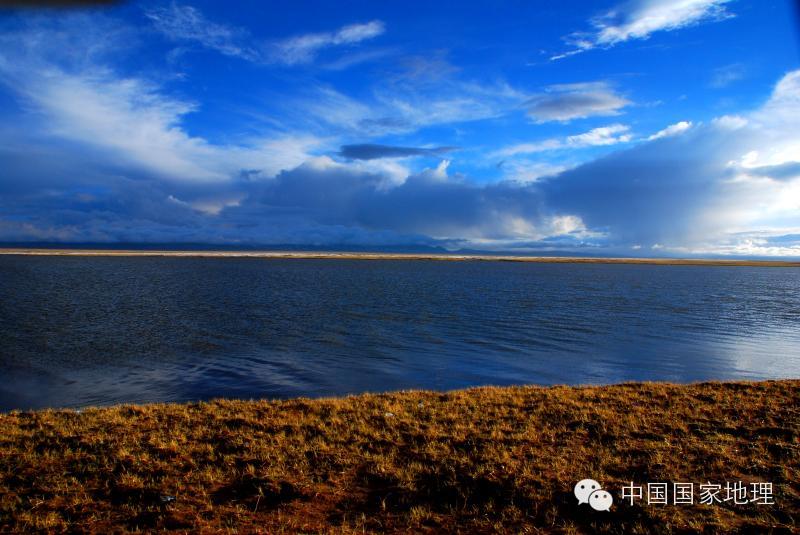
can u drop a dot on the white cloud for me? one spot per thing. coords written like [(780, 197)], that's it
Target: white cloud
[(304, 48), (725, 76), (604, 135), (185, 23), (357, 58), (730, 122), (526, 171), (638, 19), (126, 116), (355, 33), (710, 189), (672, 130), (773, 148), (529, 148), (784, 103), (209, 205), (128, 119), (601, 136), (438, 173), (565, 102), (420, 110), (393, 109)]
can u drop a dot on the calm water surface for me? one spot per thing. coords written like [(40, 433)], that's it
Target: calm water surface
[(88, 331)]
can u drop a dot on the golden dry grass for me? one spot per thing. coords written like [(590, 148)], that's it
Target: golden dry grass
[(402, 256), (480, 460)]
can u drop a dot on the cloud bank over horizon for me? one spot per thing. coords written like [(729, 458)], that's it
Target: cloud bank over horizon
[(428, 155)]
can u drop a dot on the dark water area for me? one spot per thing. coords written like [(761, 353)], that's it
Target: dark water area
[(80, 331)]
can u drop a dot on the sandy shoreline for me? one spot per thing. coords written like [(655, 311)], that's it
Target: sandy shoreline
[(396, 256)]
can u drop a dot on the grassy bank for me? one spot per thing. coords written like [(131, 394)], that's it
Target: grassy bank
[(485, 460)]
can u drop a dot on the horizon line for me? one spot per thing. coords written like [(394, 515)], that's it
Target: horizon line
[(361, 255)]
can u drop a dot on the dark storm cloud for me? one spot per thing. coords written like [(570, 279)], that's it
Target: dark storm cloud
[(653, 192), (47, 195), (374, 152), (428, 203)]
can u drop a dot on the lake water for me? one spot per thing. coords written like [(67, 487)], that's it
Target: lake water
[(82, 331)]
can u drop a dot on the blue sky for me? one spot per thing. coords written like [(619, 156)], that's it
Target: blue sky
[(639, 127)]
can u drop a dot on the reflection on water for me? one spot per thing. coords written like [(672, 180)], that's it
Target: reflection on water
[(82, 331)]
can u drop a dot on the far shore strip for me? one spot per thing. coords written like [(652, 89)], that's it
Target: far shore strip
[(400, 256)]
